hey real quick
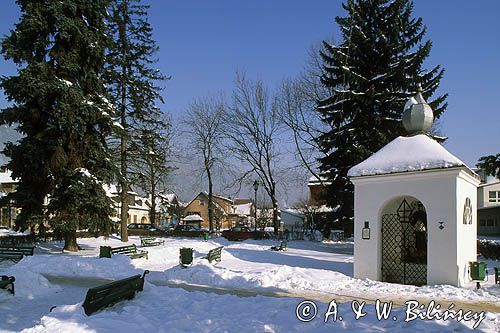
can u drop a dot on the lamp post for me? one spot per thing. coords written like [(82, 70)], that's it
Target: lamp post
[(255, 188)]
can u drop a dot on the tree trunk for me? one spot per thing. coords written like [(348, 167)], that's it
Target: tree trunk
[(124, 213), (275, 216), (123, 141), (152, 212), (70, 241), (275, 206), (210, 201)]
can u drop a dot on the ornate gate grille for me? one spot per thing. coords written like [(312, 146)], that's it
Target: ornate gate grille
[(404, 246)]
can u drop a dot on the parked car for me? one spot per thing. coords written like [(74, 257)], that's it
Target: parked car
[(187, 227), (166, 228), (187, 230), (141, 226), (242, 233)]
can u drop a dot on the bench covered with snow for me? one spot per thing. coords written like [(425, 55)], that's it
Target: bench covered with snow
[(6, 281), (110, 293), (15, 253), (128, 250), (282, 246), (150, 241)]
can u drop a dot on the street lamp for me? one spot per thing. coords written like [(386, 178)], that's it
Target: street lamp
[(255, 188)]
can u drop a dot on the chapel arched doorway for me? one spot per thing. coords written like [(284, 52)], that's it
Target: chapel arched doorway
[(404, 241)]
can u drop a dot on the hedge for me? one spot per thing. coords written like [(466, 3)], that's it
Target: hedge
[(488, 249)]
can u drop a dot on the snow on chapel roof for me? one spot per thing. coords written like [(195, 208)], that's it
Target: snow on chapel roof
[(414, 153)]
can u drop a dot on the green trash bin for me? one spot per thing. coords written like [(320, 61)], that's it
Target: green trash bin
[(477, 271), (497, 275), (105, 252), (186, 256), (205, 236)]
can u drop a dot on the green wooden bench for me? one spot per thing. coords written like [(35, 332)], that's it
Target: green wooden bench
[(150, 241), (282, 247), (128, 250), (214, 254), (497, 275), (15, 253), (6, 281), (110, 293)]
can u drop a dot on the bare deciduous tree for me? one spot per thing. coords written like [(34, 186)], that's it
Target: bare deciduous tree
[(297, 100), (205, 121), (151, 159), (252, 131)]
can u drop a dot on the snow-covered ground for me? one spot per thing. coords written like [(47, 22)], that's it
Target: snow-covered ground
[(252, 289)]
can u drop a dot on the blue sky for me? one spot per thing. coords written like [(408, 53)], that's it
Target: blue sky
[(203, 43)]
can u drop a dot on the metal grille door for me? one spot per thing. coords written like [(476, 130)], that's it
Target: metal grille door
[(404, 246)]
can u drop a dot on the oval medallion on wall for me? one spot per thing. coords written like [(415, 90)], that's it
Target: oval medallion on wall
[(467, 211)]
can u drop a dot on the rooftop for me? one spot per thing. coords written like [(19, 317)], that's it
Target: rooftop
[(404, 154)]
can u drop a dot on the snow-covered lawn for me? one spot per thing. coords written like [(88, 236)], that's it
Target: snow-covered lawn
[(252, 289)]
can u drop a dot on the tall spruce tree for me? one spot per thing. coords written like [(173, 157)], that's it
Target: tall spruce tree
[(490, 164), (372, 73), (134, 84), (59, 106)]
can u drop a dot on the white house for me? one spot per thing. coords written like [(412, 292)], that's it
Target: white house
[(291, 219), (415, 204), (488, 203), (8, 213), (138, 209)]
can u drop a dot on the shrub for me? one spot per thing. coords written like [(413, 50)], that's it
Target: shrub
[(488, 249)]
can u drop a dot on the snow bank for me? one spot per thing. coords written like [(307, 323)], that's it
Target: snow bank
[(403, 154), (162, 309), (72, 266), (28, 285)]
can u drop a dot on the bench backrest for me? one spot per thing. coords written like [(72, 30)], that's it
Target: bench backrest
[(148, 238), (215, 254), (124, 249), (17, 250), (110, 293)]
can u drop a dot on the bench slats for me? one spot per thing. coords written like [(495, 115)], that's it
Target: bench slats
[(215, 254), (128, 250), (110, 293), (15, 253), (150, 241)]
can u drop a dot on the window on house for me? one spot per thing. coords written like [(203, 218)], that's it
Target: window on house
[(494, 196), (201, 202), (489, 223), (135, 218), (482, 223)]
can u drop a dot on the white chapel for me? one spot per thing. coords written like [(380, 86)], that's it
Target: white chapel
[(415, 209)]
